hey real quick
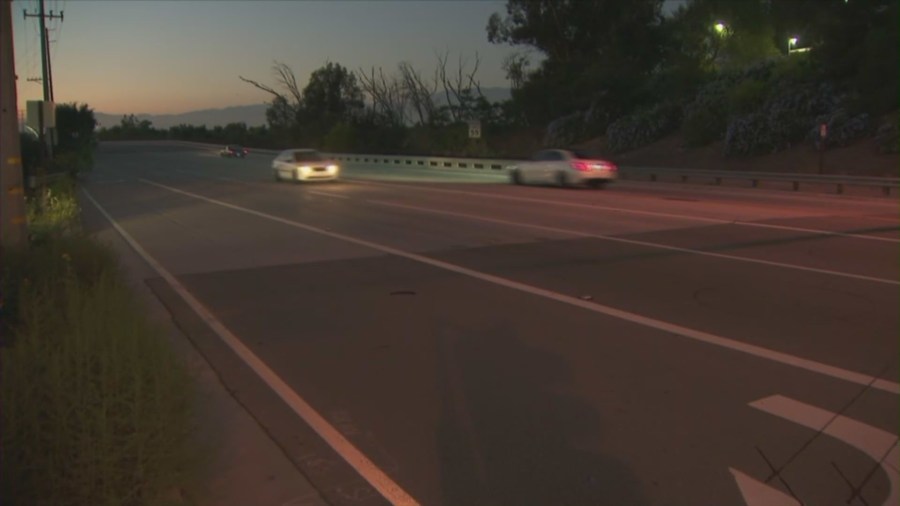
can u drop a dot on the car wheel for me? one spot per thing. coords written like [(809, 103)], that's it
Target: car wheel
[(516, 177), (562, 180), (597, 184), (277, 177)]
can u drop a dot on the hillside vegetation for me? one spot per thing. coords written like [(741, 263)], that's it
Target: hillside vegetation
[(748, 78)]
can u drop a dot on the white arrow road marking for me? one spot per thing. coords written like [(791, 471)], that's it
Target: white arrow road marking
[(879, 445), (757, 493)]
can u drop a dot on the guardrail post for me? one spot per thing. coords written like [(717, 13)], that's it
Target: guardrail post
[(652, 177), (840, 188), (684, 179), (796, 186), (886, 190), (755, 183), (718, 181)]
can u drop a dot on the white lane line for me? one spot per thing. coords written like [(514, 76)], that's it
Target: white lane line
[(326, 194), (638, 243), (724, 342), (878, 444), (365, 467), (493, 196)]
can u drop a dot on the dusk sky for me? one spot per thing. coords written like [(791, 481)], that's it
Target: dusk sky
[(163, 57)]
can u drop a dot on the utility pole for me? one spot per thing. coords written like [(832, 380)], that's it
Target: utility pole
[(45, 63), (12, 193), (45, 46), (49, 67)]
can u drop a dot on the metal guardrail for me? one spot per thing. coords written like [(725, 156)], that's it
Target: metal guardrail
[(432, 162), (718, 176), (627, 172), (498, 166)]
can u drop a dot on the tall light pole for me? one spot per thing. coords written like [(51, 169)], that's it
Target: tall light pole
[(12, 194), (791, 43)]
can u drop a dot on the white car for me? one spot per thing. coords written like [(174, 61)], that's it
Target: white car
[(304, 165), (564, 168)]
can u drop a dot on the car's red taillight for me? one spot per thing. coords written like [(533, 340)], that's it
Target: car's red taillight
[(580, 165)]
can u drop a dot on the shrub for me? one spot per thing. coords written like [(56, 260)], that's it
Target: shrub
[(887, 137), (785, 119), (73, 162), (746, 97), (747, 135), (52, 211), (565, 130), (643, 127), (702, 127), (341, 138), (843, 127)]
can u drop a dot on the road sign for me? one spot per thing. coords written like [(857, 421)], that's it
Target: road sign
[(40, 113), (475, 129)]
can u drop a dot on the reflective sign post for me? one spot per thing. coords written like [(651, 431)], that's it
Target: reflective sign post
[(823, 134)]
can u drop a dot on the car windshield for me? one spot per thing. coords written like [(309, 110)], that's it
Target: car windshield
[(307, 156)]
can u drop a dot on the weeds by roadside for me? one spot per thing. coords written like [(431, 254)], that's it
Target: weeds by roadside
[(96, 407)]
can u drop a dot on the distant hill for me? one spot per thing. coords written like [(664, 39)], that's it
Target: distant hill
[(491, 94), (252, 115)]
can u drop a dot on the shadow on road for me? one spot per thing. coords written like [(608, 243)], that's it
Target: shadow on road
[(507, 436)]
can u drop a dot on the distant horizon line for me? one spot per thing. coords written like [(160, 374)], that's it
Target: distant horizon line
[(179, 113)]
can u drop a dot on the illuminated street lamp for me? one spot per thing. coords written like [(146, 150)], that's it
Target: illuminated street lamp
[(720, 28), (791, 43)]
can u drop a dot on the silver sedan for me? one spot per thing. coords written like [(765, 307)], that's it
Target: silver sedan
[(304, 165), (564, 168)]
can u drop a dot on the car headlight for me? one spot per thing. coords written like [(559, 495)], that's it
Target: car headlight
[(303, 168), (332, 168)]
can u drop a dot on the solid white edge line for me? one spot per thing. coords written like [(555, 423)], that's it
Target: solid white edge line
[(876, 443), (343, 447), (724, 342), (639, 243), (637, 211)]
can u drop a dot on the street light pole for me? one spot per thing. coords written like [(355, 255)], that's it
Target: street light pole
[(791, 43)]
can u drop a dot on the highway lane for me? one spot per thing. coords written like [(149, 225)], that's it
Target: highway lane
[(466, 391)]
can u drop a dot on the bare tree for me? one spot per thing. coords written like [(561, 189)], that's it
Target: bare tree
[(419, 93), (386, 92), (460, 90), (285, 77)]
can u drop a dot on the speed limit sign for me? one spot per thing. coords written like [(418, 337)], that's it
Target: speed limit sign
[(474, 129)]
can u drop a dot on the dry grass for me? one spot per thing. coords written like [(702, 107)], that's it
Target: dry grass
[(96, 407)]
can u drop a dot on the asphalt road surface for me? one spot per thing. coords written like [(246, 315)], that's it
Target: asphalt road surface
[(412, 336)]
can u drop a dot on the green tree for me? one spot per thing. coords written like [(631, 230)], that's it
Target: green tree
[(76, 141), (856, 43), (75, 127), (332, 95), (598, 52)]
